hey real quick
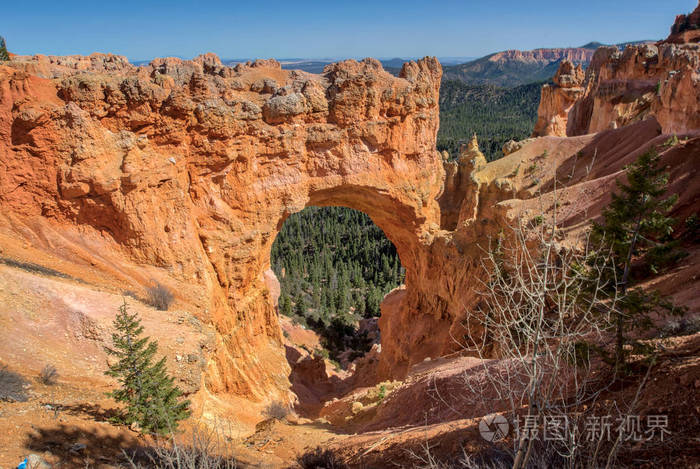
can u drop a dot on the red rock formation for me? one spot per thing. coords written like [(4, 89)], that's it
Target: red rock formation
[(660, 80), (686, 28), (621, 87), (558, 99), (642, 81), (57, 66)]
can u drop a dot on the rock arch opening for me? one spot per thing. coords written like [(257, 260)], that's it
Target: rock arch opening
[(334, 267)]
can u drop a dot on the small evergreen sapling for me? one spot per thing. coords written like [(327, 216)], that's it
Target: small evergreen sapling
[(636, 231), (4, 55), (151, 398)]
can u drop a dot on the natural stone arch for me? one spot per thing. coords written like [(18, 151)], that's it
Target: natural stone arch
[(191, 166), (399, 195), (405, 226)]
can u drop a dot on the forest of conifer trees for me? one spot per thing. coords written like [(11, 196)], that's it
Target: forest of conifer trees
[(495, 114), (334, 266)]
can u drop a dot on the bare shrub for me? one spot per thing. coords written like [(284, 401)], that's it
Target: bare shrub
[(131, 294), (48, 375), (321, 458), (12, 386), (276, 410), (680, 327), (540, 309), (204, 449), (159, 296)]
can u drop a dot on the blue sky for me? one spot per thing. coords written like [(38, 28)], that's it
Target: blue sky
[(314, 29)]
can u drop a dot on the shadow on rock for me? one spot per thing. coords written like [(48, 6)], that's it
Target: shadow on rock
[(75, 447)]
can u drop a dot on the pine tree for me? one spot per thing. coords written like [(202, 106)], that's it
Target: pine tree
[(316, 296), (300, 306), (285, 306), (636, 228), (4, 55), (151, 398)]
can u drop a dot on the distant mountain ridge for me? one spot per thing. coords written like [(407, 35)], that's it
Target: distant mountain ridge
[(517, 67), (575, 54)]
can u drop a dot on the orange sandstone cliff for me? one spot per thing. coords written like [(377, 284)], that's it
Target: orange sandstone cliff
[(557, 100)]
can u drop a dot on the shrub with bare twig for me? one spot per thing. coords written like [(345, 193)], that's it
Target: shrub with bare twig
[(159, 296), (539, 304), (544, 456), (48, 375), (276, 410), (204, 449)]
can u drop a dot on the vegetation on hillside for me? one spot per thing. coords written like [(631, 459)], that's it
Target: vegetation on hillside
[(545, 308), (494, 113), (334, 266)]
